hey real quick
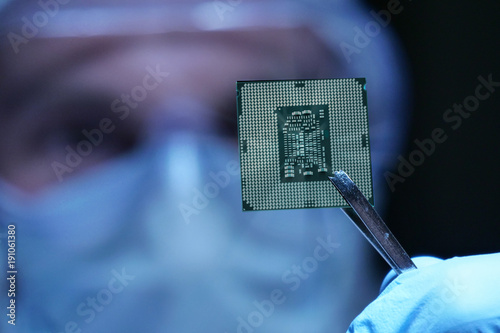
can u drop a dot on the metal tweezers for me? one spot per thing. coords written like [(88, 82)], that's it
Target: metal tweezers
[(371, 224)]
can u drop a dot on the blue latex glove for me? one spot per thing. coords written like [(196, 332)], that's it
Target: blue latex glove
[(455, 295)]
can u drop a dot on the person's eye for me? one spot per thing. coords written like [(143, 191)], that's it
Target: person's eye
[(86, 126), (54, 139)]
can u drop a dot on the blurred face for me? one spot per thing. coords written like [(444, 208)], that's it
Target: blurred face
[(94, 97)]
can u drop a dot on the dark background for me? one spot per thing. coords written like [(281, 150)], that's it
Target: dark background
[(449, 206)]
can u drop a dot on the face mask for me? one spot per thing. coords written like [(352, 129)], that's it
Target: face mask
[(155, 241)]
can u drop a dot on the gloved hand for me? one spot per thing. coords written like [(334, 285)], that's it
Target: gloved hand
[(455, 295)]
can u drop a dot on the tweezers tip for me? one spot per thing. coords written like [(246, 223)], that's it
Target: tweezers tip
[(336, 174)]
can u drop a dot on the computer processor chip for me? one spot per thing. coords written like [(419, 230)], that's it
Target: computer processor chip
[(294, 133)]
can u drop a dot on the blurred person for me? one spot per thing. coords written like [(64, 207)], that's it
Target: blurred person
[(119, 166)]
